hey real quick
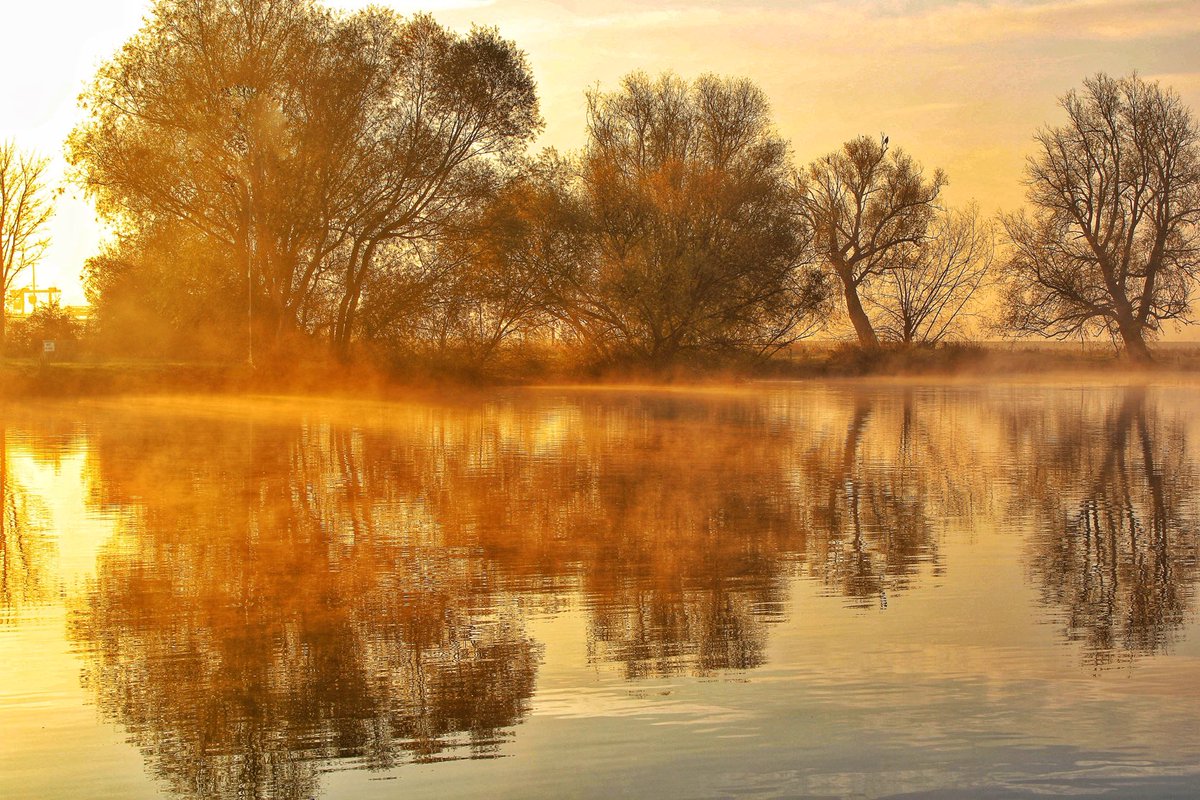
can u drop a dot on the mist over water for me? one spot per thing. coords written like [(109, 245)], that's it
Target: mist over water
[(822, 590)]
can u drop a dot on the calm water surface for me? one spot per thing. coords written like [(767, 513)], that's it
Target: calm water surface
[(779, 591)]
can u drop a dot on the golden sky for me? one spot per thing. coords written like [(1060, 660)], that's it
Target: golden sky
[(960, 84)]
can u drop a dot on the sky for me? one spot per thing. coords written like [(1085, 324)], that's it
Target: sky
[(961, 85)]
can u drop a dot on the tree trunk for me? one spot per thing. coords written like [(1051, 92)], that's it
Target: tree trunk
[(352, 292), (862, 323), (345, 333), (1135, 342)]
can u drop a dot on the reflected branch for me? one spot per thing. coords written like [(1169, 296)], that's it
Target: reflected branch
[(1117, 555)]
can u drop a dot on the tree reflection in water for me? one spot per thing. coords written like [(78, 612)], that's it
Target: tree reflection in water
[(297, 592), (870, 493), (264, 613), (281, 597), (1115, 549), (27, 550)]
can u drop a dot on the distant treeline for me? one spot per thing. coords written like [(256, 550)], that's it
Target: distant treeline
[(303, 181)]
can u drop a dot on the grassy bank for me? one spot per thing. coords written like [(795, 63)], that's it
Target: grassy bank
[(990, 359), (83, 378), (30, 378)]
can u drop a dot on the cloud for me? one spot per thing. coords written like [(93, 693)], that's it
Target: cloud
[(938, 23), (414, 6)]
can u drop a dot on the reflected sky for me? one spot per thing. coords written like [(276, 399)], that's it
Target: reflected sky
[(772, 589)]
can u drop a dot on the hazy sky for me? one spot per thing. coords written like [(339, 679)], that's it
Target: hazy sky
[(960, 84)]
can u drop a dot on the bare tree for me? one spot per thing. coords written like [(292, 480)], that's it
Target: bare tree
[(1111, 246), (863, 204), (929, 294), (25, 208)]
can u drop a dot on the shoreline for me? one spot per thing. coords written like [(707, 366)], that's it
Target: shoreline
[(31, 379)]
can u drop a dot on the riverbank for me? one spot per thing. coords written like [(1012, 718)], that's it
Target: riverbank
[(84, 378), (87, 378)]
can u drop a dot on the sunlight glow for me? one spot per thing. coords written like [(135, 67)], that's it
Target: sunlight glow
[(960, 85)]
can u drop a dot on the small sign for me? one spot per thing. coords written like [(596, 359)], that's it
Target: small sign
[(48, 346)]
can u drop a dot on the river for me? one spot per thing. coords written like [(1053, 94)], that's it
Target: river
[(844, 589)]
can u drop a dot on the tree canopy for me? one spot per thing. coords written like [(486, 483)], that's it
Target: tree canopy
[(1111, 243), (692, 246), (363, 181), (296, 141), (864, 204)]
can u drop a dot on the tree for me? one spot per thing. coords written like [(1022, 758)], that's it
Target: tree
[(49, 321), (25, 208), (478, 285), (926, 297), (1111, 244), (296, 143), (863, 205), (213, 117), (165, 290), (685, 190), (451, 107)]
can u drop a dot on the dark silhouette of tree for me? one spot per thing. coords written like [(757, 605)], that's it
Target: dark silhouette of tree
[(481, 284), (1110, 246), (25, 208), (863, 206), (930, 294), (448, 105), (49, 321)]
